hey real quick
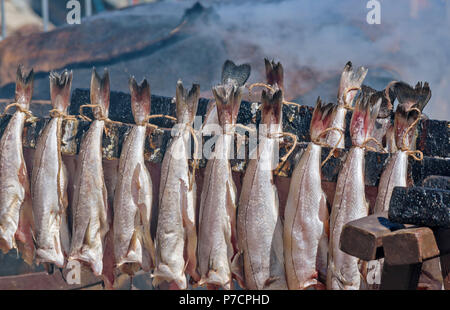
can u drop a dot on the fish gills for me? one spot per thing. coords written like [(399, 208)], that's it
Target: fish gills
[(349, 201), (90, 200), (259, 227), (16, 216), (133, 246), (306, 214), (348, 87), (49, 181), (176, 235)]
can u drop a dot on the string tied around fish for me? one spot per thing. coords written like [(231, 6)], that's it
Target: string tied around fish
[(18, 107), (251, 86), (346, 91), (416, 154), (324, 144)]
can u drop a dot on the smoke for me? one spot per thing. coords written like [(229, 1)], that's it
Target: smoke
[(314, 39)]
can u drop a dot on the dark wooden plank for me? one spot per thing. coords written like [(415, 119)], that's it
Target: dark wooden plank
[(400, 277), (363, 238)]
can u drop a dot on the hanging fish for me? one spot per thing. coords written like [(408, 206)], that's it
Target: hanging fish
[(259, 226), (306, 226), (395, 172), (133, 246), (348, 88), (349, 200), (49, 180), (16, 215), (89, 204), (176, 235), (217, 243)]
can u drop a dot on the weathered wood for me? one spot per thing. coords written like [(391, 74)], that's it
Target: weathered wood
[(421, 206), (363, 238), (410, 246), (400, 277)]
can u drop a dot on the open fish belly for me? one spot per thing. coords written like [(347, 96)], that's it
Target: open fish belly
[(132, 205), (216, 221), (13, 180), (48, 208), (90, 202), (306, 221), (349, 204)]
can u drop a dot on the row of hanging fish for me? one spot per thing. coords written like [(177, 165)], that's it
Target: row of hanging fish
[(80, 211)]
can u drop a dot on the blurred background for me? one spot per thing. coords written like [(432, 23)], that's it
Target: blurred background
[(169, 40)]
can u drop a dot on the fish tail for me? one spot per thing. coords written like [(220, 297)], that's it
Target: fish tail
[(350, 83), (24, 87), (228, 100), (60, 85), (100, 92), (187, 102), (409, 97), (402, 121), (363, 118), (271, 107), (322, 118), (274, 73), (238, 74), (140, 100)]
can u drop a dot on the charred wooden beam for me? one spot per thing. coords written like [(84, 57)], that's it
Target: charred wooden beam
[(420, 206)]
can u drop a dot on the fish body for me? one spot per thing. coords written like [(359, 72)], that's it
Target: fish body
[(306, 214), (349, 201), (16, 219), (90, 201), (49, 182), (349, 85), (133, 246), (217, 240), (176, 235), (259, 226)]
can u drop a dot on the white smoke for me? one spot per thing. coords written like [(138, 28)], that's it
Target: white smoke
[(412, 40)]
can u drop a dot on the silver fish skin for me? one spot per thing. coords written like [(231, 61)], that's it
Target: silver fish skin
[(16, 217), (176, 235), (306, 225), (90, 199), (349, 85), (349, 201), (133, 246), (259, 227), (49, 182)]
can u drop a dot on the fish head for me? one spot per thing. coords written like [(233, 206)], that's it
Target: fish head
[(24, 87), (322, 118), (100, 92), (363, 118), (274, 74), (271, 110), (228, 100), (140, 100), (187, 103), (60, 86), (350, 83)]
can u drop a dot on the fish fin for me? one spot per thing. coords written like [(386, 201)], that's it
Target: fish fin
[(237, 268), (228, 100), (60, 85), (272, 104), (350, 83), (363, 118), (140, 100), (187, 102), (408, 96), (24, 87), (100, 91), (238, 74), (274, 74)]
